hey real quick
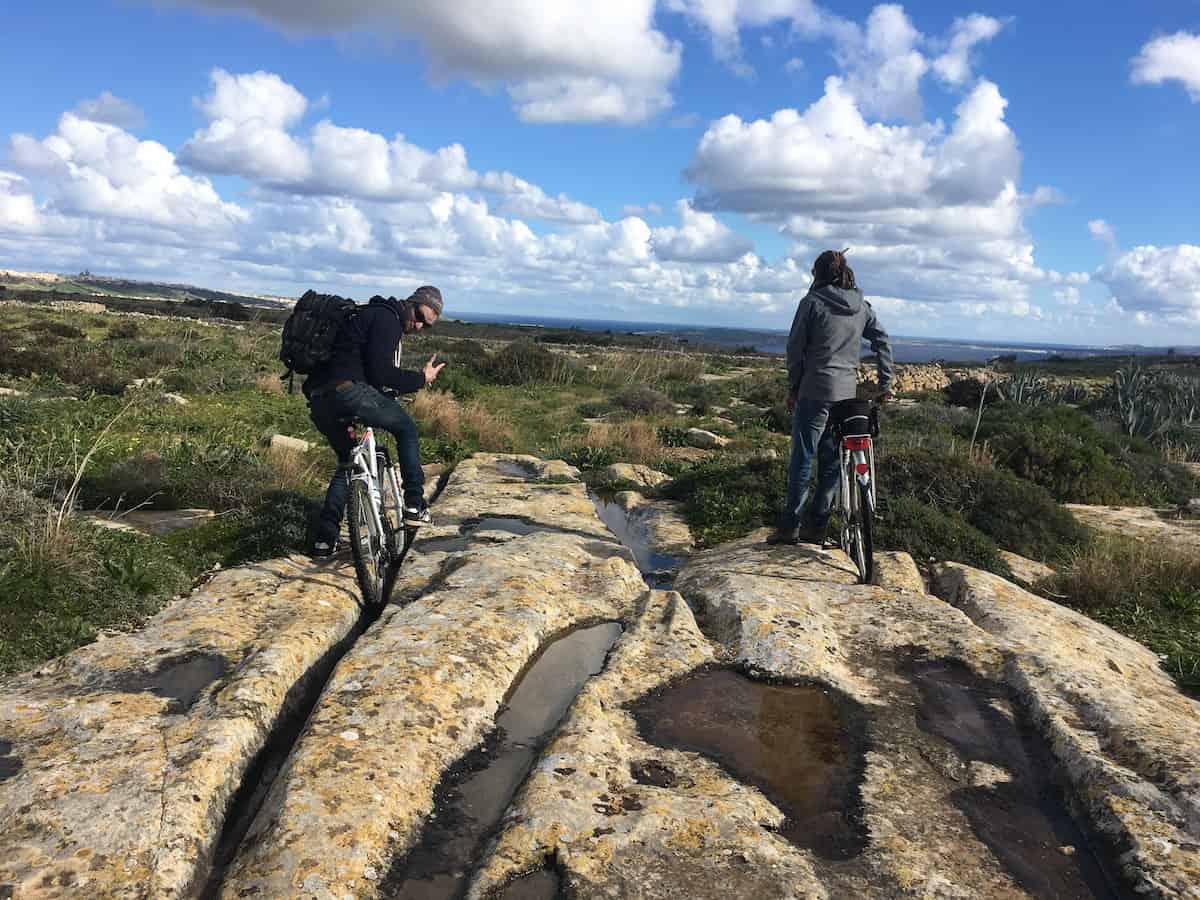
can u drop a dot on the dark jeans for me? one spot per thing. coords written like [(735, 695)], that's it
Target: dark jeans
[(330, 412), (811, 437)]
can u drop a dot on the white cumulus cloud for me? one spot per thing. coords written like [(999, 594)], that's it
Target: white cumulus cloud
[(560, 61), (700, 237), (1156, 281), (95, 169), (112, 110), (1172, 57), (954, 65)]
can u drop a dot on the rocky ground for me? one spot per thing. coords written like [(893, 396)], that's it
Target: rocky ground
[(763, 726)]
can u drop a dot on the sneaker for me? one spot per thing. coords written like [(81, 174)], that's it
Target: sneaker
[(812, 534), (324, 550), (782, 536), (418, 515)]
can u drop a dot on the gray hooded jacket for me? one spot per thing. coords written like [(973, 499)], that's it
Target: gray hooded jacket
[(825, 342)]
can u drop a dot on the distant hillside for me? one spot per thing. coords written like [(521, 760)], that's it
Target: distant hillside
[(87, 283)]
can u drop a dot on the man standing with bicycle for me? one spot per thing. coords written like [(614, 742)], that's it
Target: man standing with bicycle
[(364, 362), (823, 351)]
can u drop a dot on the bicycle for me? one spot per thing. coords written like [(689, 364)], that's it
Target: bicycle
[(856, 424), (379, 541)]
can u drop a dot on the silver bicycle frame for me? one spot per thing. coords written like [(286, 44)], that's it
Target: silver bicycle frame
[(365, 468)]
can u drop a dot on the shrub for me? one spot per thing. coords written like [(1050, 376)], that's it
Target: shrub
[(1016, 514), (1064, 451), (125, 329), (672, 436), (524, 362), (58, 329), (725, 500), (594, 409), (927, 532), (967, 391), (644, 400), (279, 523)]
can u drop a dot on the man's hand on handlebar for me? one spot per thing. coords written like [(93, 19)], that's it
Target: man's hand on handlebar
[(885, 397), (431, 371)]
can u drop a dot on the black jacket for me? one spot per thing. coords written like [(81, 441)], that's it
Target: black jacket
[(368, 348)]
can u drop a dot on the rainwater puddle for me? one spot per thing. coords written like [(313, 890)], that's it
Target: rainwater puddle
[(474, 795), (449, 544), (656, 567), (1023, 820), (181, 679), (541, 885), (515, 469), (795, 743), (511, 524), (9, 765)]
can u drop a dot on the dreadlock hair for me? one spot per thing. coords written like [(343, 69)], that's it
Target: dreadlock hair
[(831, 268)]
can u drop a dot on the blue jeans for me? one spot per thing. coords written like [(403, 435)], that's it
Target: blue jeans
[(330, 411), (811, 438)]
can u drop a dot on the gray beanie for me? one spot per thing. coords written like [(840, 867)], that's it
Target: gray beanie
[(427, 295)]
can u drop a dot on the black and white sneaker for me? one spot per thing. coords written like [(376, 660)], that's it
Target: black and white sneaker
[(416, 516), (324, 550)]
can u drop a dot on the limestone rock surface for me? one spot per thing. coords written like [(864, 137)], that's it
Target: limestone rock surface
[(1141, 522), (1025, 570), (1126, 737), (128, 751), (587, 807), (151, 521), (423, 685), (635, 473), (705, 440)]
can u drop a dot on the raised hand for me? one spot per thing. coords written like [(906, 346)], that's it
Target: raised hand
[(431, 371)]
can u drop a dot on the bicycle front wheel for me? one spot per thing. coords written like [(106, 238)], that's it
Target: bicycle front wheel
[(366, 542), (864, 516)]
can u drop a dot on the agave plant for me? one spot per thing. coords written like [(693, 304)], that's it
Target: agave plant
[(1025, 387), (1151, 404)]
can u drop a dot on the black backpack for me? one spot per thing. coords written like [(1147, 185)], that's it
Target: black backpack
[(310, 331)]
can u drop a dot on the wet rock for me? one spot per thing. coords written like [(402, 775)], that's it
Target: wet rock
[(131, 748), (655, 530), (1142, 523), (151, 521), (282, 443), (419, 689), (796, 613), (543, 494), (1027, 571), (1126, 738), (704, 440), (614, 834), (637, 474)]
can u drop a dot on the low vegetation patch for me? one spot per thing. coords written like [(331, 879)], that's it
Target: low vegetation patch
[(1149, 591)]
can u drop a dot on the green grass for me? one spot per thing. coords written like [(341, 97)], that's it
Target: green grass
[(1148, 591)]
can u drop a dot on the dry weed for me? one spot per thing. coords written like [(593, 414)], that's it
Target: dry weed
[(441, 415), (633, 441), (270, 384)]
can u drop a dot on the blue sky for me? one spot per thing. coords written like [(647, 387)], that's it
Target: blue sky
[(1002, 170)]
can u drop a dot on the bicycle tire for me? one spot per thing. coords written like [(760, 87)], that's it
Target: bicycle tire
[(865, 552), (391, 514), (366, 544)]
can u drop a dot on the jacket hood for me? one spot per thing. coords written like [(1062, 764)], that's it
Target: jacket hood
[(401, 308), (843, 301)]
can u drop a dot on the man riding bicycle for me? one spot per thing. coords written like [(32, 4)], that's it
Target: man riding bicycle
[(349, 386), (822, 361)]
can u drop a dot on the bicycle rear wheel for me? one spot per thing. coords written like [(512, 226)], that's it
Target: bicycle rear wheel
[(367, 544), (864, 550)]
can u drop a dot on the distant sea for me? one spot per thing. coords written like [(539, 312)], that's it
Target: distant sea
[(905, 349)]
